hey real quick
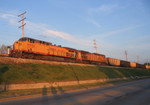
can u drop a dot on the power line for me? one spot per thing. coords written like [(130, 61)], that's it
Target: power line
[(23, 24)]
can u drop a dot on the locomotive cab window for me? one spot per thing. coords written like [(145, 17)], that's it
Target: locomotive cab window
[(24, 39), (71, 51), (32, 41)]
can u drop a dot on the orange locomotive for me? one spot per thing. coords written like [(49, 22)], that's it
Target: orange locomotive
[(30, 47), (35, 49)]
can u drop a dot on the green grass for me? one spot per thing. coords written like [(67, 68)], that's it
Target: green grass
[(32, 73)]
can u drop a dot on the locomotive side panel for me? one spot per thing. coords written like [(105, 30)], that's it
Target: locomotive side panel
[(78, 56), (39, 47), (93, 58), (103, 60)]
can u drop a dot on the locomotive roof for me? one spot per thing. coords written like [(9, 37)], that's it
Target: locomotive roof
[(35, 40), (124, 61), (98, 54), (84, 51), (90, 52), (112, 58), (69, 48)]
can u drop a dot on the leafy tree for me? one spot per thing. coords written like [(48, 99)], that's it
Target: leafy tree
[(147, 64)]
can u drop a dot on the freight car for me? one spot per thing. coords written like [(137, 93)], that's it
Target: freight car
[(133, 65), (147, 66), (113, 62), (140, 66), (124, 63), (36, 49)]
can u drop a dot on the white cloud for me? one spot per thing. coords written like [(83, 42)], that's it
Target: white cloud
[(43, 30), (116, 32), (139, 46), (141, 39), (140, 43), (62, 35), (102, 9), (35, 28), (9, 17), (94, 22)]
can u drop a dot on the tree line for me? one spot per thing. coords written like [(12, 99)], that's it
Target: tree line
[(3, 49)]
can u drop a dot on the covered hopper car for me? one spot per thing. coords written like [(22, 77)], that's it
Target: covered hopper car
[(124, 63), (133, 65), (113, 62)]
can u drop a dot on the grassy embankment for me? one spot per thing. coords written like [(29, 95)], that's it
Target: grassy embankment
[(31, 73)]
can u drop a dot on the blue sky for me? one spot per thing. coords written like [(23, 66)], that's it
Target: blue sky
[(117, 25)]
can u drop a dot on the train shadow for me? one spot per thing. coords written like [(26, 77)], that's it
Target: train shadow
[(45, 97), (58, 97), (63, 97), (3, 70)]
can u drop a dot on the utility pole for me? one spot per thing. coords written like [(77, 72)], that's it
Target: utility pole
[(23, 24), (126, 54), (147, 61), (138, 59), (95, 46)]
